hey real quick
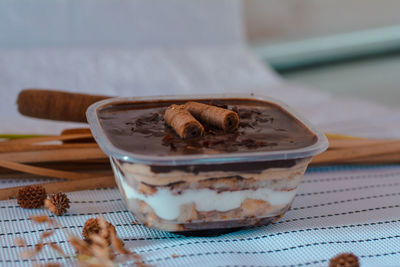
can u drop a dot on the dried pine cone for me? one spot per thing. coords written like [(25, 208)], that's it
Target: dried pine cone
[(344, 260), (57, 203), (92, 227), (31, 197)]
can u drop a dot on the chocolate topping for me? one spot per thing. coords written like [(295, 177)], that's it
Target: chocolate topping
[(140, 128)]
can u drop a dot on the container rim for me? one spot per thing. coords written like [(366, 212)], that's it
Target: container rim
[(112, 151)]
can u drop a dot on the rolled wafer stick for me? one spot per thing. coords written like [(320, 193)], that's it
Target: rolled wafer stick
[(55, 105), (184, 124), (225, 119)]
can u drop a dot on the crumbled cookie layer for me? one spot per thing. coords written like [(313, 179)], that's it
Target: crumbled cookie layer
[(252, 212)]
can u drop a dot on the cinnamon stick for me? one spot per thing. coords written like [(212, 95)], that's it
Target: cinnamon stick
[(184, 124), (67, 186), (225, 119)]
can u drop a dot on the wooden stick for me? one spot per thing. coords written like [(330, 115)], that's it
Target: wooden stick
[(76, 131), (27, 176), (357, 152), (375, 159), (70, 154), (44, 171), (43, 139), (342, 136), (348, 143), (382, 159), (30, 147), (67, 186), (379, 159)]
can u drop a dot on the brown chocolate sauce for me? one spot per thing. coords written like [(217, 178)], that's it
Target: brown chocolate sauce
[(140, 128), (247, 167)]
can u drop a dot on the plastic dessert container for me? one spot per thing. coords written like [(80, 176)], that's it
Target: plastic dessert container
[(219, 182)]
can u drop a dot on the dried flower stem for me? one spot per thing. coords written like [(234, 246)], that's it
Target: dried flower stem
[(98, 252)]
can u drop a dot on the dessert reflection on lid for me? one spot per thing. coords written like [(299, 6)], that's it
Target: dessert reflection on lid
[(143, 129)]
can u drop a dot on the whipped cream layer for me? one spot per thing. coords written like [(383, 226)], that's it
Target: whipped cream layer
[(167, 205)]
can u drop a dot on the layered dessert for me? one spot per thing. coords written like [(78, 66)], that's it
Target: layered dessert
[(206, 163)]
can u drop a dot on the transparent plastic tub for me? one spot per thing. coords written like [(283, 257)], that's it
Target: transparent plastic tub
[(203, 192)]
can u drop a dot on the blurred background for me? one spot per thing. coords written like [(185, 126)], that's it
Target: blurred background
[(346, 47)]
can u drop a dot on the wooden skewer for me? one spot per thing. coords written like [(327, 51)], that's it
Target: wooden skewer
[(381, 159), (76, 131), (86, 166), (30, 147), (341, 155), (43, 139), (377, 159), (342, 136), (349, 143), (70, 154), (67, 186), (374, 159), (44, 171), (27, 176)]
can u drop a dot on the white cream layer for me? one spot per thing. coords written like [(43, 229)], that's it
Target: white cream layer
[(167, 205)]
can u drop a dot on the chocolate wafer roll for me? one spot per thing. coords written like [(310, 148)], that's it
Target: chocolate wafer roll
[(225, 119), (184, 124)]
